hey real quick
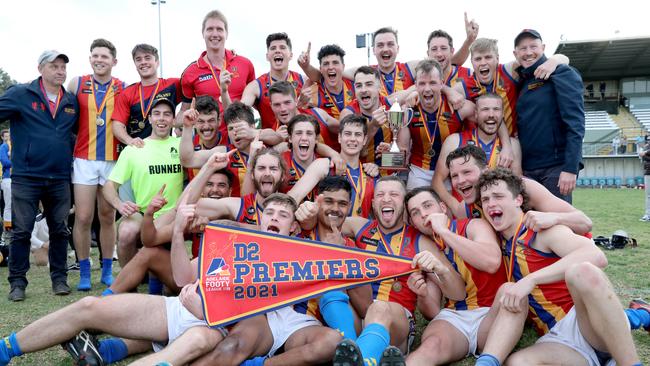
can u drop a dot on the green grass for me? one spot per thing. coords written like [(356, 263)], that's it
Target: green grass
[(610, 210)]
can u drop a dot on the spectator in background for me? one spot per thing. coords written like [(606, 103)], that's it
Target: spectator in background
[(590, 90), (616, 144), (644, 154), (551, 118), (603, 87), (42, 116), (5, 160), (623, 147)]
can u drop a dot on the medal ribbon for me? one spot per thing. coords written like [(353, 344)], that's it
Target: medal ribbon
[(358, 188), (109, 91), (493, 152), (495, 83), (384, 89), (430, 135), (389, 248), (54, 107), (513, 247), (214, 74), (258, 211), (338, 108), (145, 110)]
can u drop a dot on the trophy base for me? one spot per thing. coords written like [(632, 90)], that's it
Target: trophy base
[(393, 161)]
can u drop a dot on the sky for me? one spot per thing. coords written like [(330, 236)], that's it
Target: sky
[(29, 27)]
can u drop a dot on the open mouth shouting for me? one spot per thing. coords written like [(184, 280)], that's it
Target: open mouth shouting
[(496, 216), (273, 229)]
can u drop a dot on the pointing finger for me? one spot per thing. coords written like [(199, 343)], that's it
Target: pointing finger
[(162, 189), (309, 47), (193, 105)]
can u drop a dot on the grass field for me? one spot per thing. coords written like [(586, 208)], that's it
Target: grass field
[(610, 209)]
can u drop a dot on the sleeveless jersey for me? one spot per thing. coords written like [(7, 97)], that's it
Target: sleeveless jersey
[(249, 211), (404, 242), (198, 145), (263, 103), (333, 103), (429, 131), (503, 85), (481, 287), (491, 149), (399, 79), (384, 134), (293, 174), (363, 189), (548, 303), (95, 140), (237, 166)]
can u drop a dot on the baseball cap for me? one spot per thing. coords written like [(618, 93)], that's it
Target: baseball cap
[(527, 33), (51, 55), (158, 101)]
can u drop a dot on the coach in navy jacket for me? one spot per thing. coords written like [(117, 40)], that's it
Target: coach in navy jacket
[(550, 118), (43, 117)]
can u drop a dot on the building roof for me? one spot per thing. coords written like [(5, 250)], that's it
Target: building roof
[(608, 58)]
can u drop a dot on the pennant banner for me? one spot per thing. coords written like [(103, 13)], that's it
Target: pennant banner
[(244, 273)]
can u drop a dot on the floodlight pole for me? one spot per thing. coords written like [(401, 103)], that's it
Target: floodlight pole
[(159, 2), (365, 40)]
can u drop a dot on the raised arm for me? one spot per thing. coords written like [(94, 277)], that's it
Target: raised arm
[(471, 30), (548, 210)]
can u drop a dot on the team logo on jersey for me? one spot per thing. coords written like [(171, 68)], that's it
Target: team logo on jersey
[(400, 74), (69, 110), (218, 267), (476, 213), (295, 84), (446, 115), (205, 77), (250, 210), (173, 152), (471, 142)]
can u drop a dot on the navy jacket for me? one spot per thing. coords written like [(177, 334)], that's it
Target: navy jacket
[(551, 119), (41, 145)]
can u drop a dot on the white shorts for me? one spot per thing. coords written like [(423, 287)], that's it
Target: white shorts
[(179, 319), (284, 322), (567, 332), (418, 177), (466, 322), (91, 172)]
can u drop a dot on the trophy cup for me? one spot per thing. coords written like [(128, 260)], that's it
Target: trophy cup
[(395, 159)]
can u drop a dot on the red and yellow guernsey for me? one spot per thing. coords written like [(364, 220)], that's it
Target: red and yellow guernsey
[(505, 86), (429, 131), (249, 211), (263, 103), (481, 287), (401, 78), (403, 242), (548, 303), (95, 140), (333, 103)]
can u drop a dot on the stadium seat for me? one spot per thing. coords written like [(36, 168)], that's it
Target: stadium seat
[(579, 182), (617, 182), (602, 182), (630, 182), (610, 181), (639, 181)]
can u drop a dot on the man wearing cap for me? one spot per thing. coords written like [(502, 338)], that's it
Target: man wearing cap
[(551, 118), (152, 169), (42, 116)]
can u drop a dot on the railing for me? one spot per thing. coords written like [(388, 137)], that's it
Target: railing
[(606, 148)]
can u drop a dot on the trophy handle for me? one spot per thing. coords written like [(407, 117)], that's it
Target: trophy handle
[(408, 116)]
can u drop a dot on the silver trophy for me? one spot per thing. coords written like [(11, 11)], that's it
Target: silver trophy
[(395, 159)]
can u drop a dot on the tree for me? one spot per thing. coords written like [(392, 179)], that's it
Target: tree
[(5, 81)]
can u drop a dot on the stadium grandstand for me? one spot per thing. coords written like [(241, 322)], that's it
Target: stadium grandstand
[(616, 76)]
